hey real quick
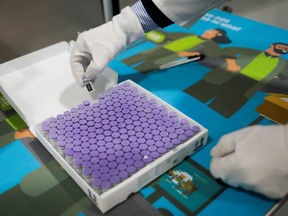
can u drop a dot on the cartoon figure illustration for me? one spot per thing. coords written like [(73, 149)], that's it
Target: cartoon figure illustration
[(175, 45), (245, 72), (183, 181)]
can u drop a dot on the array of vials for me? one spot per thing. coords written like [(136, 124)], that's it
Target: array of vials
[(108, 141)]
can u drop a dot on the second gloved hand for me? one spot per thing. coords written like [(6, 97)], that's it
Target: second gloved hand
[(95, 48), (254, 158)]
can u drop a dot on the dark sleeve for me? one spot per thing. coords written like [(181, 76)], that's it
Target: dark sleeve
[(156, 14)]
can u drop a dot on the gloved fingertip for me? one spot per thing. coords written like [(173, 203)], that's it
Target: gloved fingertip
[(80, 82), (213, 167), (214, 152)]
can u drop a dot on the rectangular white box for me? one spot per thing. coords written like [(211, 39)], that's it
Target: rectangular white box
[(40, 85)]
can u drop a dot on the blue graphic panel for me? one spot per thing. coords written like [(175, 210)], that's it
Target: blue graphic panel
[(15, 163)]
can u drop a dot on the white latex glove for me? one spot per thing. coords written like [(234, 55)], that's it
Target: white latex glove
[(95, 48), (254, 158)]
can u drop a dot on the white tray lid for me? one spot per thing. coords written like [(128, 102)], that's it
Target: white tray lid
[(40, 85)]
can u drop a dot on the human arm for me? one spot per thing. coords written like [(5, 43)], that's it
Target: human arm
[(95, 48), (254, 158)]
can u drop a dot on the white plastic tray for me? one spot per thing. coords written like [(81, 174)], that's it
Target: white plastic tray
[(41, 85)]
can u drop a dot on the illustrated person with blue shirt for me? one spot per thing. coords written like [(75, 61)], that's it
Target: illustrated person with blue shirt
[(254, 158)]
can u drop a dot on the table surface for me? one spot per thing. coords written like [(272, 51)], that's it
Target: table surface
[(33, 183)]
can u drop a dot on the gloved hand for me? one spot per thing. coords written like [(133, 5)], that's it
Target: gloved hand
[(254, 158), (95, 48)]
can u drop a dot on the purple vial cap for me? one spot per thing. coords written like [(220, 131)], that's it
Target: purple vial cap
[(137, 157), (112, 164), (135, 151), (179, 131), (123, 175), (139, 164), (70, 140), (75, 142), (86, 103), (162, 150), (94, 153), (53, 135), (95, 167), (113, 172), (168, 146), (86, 157), (154, 155), (61, 144), (141, 140), (166, 139), (128, 155), (69, 146), (129, 162), (125, 142), (120, 160), (95, 160), (183, 137), (119, 153), (104, 169), (183, 121), (152, 148), (115, 179), (189, 133), (77, 155), (102, 155), (61, 138), (195, 129), (147, 159), (173, 135), (126, 149), (96, 182), (78, 162), (176, 141), (121, 167), (68, 129), (85, 150), (53, 130), (131, 170), (61, 126), (53, 120), (87, 172), (76, 136), (86, 164), (69, 152), (92, 147), (105, 177)]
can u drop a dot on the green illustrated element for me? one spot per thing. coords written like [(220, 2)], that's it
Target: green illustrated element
[(31, 197), (16, 122), (175, 46), (4, 105), (245, 72), (155, 36), (7, 133)]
